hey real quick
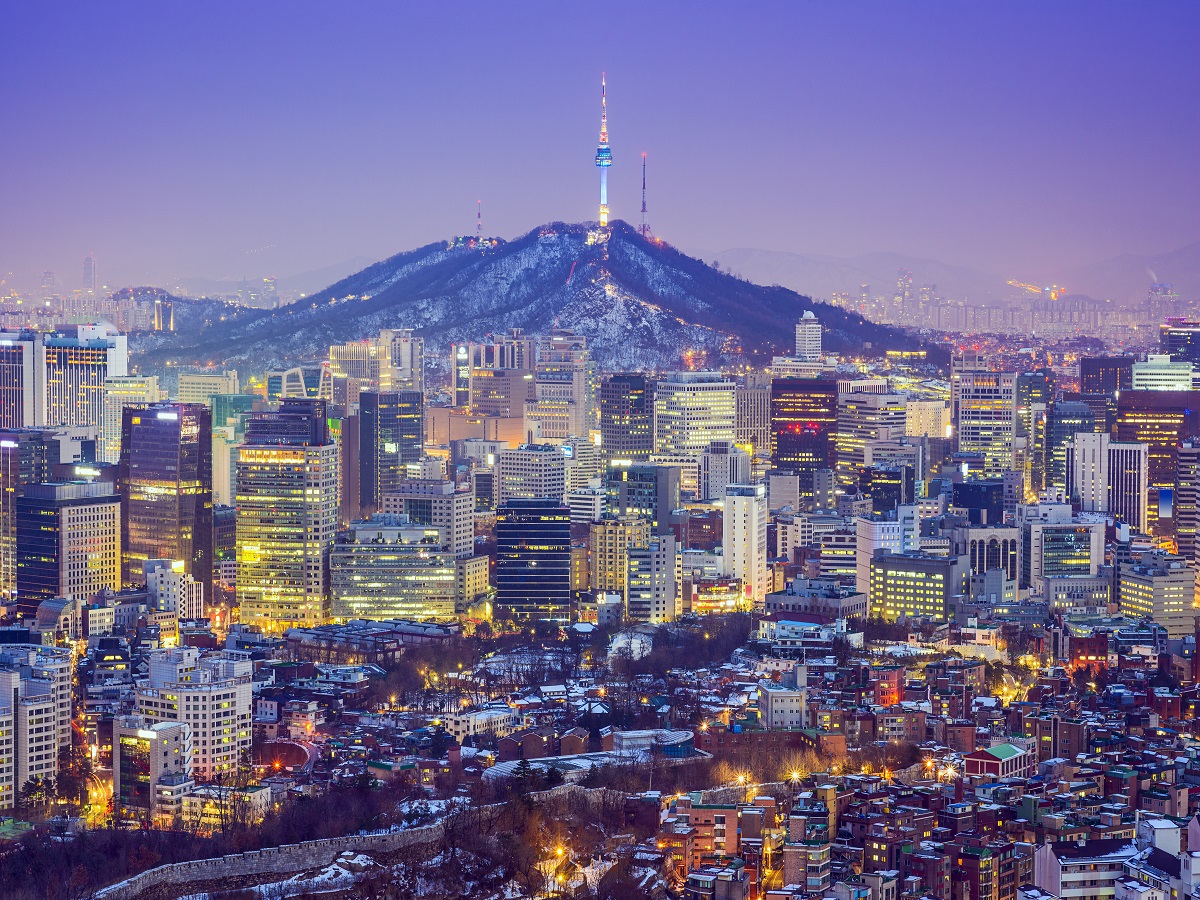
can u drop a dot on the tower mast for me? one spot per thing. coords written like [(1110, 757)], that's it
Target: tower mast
[(644, 228), (479, 219), (603, 154)]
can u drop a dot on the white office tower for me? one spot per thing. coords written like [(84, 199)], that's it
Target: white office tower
[(1110, 477), (121, 391), (35, 714), (1160, 586), (653, 581), (896, 531), (564, 403), (744, 539), (202, 387), (173, 590), (403, 357), (1158, 372), (722, 464), (808, 337), (753, 415), (531, 472), (987, 420), (210, 693), (691, 410)]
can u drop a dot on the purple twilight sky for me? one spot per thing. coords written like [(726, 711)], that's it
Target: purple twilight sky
[(240, 139)]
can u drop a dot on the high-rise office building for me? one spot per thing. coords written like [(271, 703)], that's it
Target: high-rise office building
[(388, 568), (970, 361), (25, 458), (68, 542), (1067, 418), (90, 281), (987, 421), (808, 337), (1180, 339), (1187, 501), (165, 479), (119, 392), (390, 435), (744, 539), (404, 361), (1110, 477), (626, 416), (1160, 372), (203, 386), (927, 418), (436, 503), (564, 388), (897, 531), (1161, 420), (610, 540), (644, 491), (1161, 587), (691, 410), (752, 398), (531, 472), (1105, 374), (804, 421), (287, 502), (78, 361), (653, 581), (722, 464), (861, 419), (533, 558)]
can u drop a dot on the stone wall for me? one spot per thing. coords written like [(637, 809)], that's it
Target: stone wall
[(286, 860)]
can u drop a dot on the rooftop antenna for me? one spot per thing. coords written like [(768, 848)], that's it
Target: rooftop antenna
[(479, 219), (645, 228)]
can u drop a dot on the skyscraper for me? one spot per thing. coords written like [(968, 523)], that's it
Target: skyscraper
[(1067, 419), (744, 539), (89, 274), (25, 459), (753, 412), (165, 477), (804, 421), (1161, 420), (533, 559), (531, 472), (861, 419), (436, 503), (287, 514), (1105, 374), (391, 433), (564, 389), (643, 491), (808, 337), (68, 542), (78, 361), (1180, 339), (626, 417), (653, 581), (201, 387), (119, 392), (1110, 476), (691, 410), (987, 421)]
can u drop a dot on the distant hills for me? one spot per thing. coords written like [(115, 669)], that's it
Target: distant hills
[(641, 303)]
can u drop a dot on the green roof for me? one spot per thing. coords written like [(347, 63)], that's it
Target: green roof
[(1005, 751)]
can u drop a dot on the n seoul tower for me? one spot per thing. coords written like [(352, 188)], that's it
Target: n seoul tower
[(603, 154)]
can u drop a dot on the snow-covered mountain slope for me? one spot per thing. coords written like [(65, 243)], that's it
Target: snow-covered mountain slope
[(641, 303)]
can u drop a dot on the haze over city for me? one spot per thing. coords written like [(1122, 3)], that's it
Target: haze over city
[(236, 141)]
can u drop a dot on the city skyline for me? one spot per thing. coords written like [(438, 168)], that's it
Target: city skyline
[(255, 155)]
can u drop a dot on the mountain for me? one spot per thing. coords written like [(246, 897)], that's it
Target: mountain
[(822, 276), (1129, 276), (641, 303)]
